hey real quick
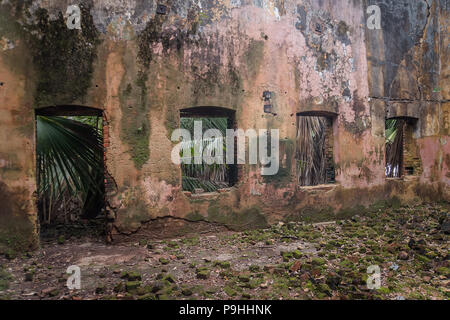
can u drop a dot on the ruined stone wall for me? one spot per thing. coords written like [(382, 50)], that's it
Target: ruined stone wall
[(408, 77), (141, 68)]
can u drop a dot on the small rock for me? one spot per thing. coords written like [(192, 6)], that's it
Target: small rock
[(403, 255), (203, 273), (170, 278), (29, 276), (157, 286), (445, 227), (119, 287), (132, 285), (100, 289), (51, 292), (186, 292), (296, 266), (246, 295), (244, 278)]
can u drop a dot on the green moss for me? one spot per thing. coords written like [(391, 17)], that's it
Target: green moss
[(229, 291), (5, 277), (17, 231), (445, 271), (347, 213), (313, 214), (283, 175), (131, 216), (131, 275), (203, 273), (422, 258), (10, 27), (131, 286), (253, 57), (384, 290), (245, 219), (194, 216), (223, 264), (63, 58), (318, 261), (135, 127)]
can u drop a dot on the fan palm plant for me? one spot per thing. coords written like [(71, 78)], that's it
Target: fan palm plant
[(208, 177), (69, 162)]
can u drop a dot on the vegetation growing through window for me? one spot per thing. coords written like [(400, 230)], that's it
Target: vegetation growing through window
[(70, 168), (394, 147), (208, 177)]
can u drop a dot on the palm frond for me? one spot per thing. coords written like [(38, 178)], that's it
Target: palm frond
[(394, 147), (190, 184), (209, 177), (69, 159)]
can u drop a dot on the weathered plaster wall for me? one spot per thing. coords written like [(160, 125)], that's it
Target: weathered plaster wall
[(141, 68), (408, 77)]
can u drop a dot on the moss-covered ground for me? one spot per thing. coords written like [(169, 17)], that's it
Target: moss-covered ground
[(287, 261)]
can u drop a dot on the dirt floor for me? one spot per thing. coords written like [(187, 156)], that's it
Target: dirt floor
[(287, 261)]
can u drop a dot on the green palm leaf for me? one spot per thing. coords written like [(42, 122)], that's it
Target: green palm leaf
[(69, 159), (207, 177), (394, 147)]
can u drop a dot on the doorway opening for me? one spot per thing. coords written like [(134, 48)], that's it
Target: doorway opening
[(203, 177), (402, 155), (315, 155), (70, 172)]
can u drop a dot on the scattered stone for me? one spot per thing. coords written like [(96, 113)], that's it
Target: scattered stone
[(203, 273), (244, 278), (318, 261), (296, 266), (403, 255), (100, 289), (29, 276), (186, 292), (170, 278), (229, 291), (246, 295), (131, 276), (51, 292), (445, 226), (119, 287), (157, 286), (132, 285), (10, 254)]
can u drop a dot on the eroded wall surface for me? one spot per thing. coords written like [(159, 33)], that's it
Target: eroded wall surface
[(141, 68)]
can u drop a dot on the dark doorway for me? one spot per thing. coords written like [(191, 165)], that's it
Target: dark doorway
[(402, 155), (204, 177), (394, 147), (70, 171)]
